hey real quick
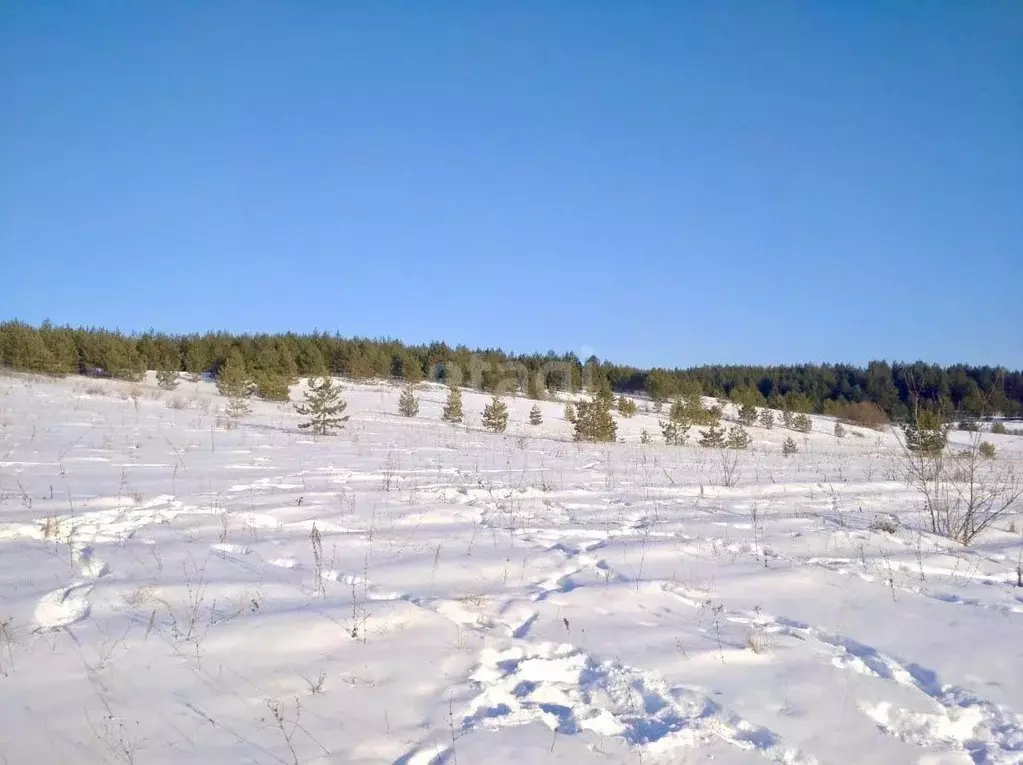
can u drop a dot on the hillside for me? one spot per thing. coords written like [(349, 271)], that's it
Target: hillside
[(415, 592)]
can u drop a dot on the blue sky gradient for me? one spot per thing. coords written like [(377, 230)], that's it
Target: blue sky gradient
[(659, 183)]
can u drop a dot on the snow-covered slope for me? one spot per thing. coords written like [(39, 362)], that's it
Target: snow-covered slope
[(413, 592)]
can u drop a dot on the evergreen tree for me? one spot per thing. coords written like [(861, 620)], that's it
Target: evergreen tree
[(712, 438), (310, 361), (928, 434), (237, 409), (453, 408), (802, 423), (738, 438), (271, 386), (644, 436), (495, 415), (323, 406), (626, 406), (747, 415), (232, 379), (675, 433), (61, 345), (787, 417), (789, 447), (535, 415), (22, 348), (593, 422), (167, 378), (839, 430), (767, 419), (680, 413), (603, 394), (570, 413), (408, 404)]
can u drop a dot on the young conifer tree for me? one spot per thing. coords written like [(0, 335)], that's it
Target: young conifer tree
[(167, 371), (712, 438), (232, 379), (495, 415), (767, 419), (675, 433), (626, 407), (570, 413), (789, 447), (535, 415), (323, 406), (747, 414), (738, 438), (802, 423), (453, 407), (593, 422), (408, 404)]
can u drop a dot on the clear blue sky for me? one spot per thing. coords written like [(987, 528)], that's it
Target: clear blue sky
[(667, 183)]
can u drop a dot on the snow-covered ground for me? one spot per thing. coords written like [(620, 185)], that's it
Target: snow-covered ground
[(412, 592)]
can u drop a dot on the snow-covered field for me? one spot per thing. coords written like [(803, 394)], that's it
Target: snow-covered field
[(412, 592)]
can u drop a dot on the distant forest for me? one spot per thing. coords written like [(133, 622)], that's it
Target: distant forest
[(897, 388)]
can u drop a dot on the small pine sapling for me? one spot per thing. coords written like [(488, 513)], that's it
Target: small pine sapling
[(738, 438), (626, 407), (570, 413), (453, 407), (712, 438), (535, 415), (767, 419), (495, 415), (594, 423), (789, 447), (802, 423), (747, 415), (408, 404), (323, 406), (675, 433), (167, 378)]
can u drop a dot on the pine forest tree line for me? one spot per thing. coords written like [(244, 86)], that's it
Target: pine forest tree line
[(899, 390)]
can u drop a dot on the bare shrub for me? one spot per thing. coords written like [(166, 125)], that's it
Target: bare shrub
[(964, 492), (176, 403), (889, 524)]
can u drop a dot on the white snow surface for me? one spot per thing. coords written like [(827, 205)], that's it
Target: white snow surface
[(477, 598)]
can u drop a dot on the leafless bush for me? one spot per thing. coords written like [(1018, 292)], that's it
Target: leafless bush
[(889, 524), (729, 467), (177, 402), (316, 686), (279, 718), (964, 492), (121, 739), (7, 644)]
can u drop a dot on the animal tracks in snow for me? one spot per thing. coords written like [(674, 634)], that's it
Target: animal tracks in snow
[(571, 693), (991, 734), (63, 607)]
